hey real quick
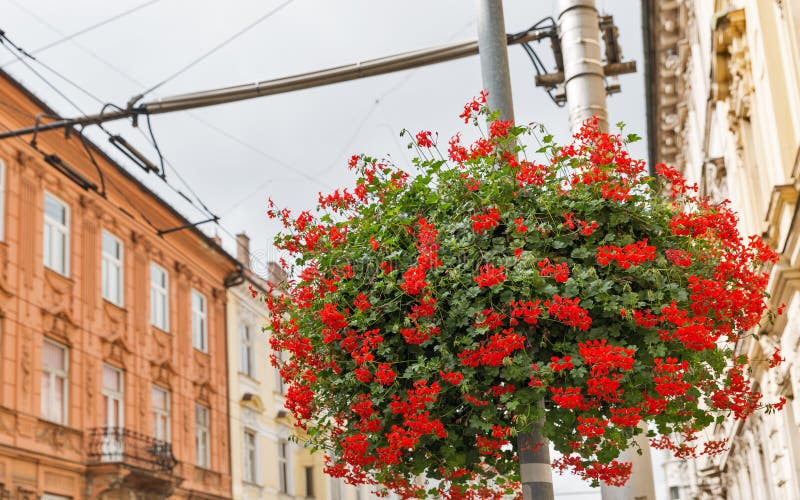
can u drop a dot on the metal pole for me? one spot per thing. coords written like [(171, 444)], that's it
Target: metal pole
[(533, 449), (494, 57), (584, 82)]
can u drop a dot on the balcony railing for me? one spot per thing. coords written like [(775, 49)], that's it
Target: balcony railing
[(120, 445)]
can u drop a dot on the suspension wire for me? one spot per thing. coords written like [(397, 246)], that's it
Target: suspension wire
[(81, 31), (211, 51), (19, 52), (202, 208), (152, 138), (94, 162)]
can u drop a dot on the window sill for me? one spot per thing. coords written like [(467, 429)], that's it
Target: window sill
[(252, 485), (63, 427), (200, 351), (60, 282), (159, 329), (115, 312), (111, 303), (249, 378)]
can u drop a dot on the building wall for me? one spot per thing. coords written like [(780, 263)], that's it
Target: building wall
[(725, 107), (36, 303)]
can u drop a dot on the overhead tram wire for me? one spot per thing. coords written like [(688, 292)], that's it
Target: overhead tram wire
[(211, 51), (80, 32), (108, 133), (83, 140), (58, 91), (194, 116)]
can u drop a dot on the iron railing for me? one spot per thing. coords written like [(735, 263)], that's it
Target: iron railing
[(120, 445)]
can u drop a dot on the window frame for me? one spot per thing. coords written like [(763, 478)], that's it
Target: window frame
[(161, 291), (54, 374), (308, 471), (110, 394), (107, 261), (62, 229), (246, 361), (201, 343), (158, 413), (250, 463), (202, 435), (280, 386), (284, 467)]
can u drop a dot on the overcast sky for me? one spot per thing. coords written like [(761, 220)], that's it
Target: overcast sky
[(288, 147)]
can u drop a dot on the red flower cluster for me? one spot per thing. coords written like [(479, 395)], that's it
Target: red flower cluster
[(490, 276), (485, 221), (424, 139), (569, 312), (560, 272), (627, 256)]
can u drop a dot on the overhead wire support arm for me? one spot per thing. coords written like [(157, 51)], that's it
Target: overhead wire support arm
[(187, 226), (328, 76)]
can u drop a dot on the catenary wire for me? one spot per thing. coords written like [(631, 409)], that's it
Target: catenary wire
[(203, 207), (214, 49), (196, 117), (80, 32)]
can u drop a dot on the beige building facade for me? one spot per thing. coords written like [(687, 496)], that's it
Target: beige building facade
[(723, 85), (267, 464)]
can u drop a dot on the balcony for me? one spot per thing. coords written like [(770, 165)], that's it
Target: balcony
[(124, 460), (120, 445)]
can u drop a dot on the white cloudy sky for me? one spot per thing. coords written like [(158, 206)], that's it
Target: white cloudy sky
[(287, 147)]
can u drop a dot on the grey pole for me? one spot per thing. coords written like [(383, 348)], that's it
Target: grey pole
[(584, 82), (532, 448), (494, 57)]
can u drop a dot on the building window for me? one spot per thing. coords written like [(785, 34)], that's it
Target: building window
[(111, 269), (280, 387), (336, 489), (56, 234), (283, 466), (113, 397), (202, 437), (161, 414), (250, 456), (159, 297), (246, 350), (55, 364), (309, 482), (199, 322), (674, 493)]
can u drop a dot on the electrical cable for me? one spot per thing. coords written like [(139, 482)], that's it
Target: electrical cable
[(155, 145), (378, 101), (211, 51), (161, 157), (152, 139), (16, 51), (81, 31), (93, 96)]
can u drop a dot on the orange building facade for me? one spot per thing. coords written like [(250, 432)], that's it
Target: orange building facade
[(113, 371)]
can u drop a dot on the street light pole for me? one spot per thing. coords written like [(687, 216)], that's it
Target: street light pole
[(532, 448), (584, 79)]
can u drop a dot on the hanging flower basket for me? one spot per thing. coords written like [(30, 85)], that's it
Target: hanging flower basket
[(431, 313)]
